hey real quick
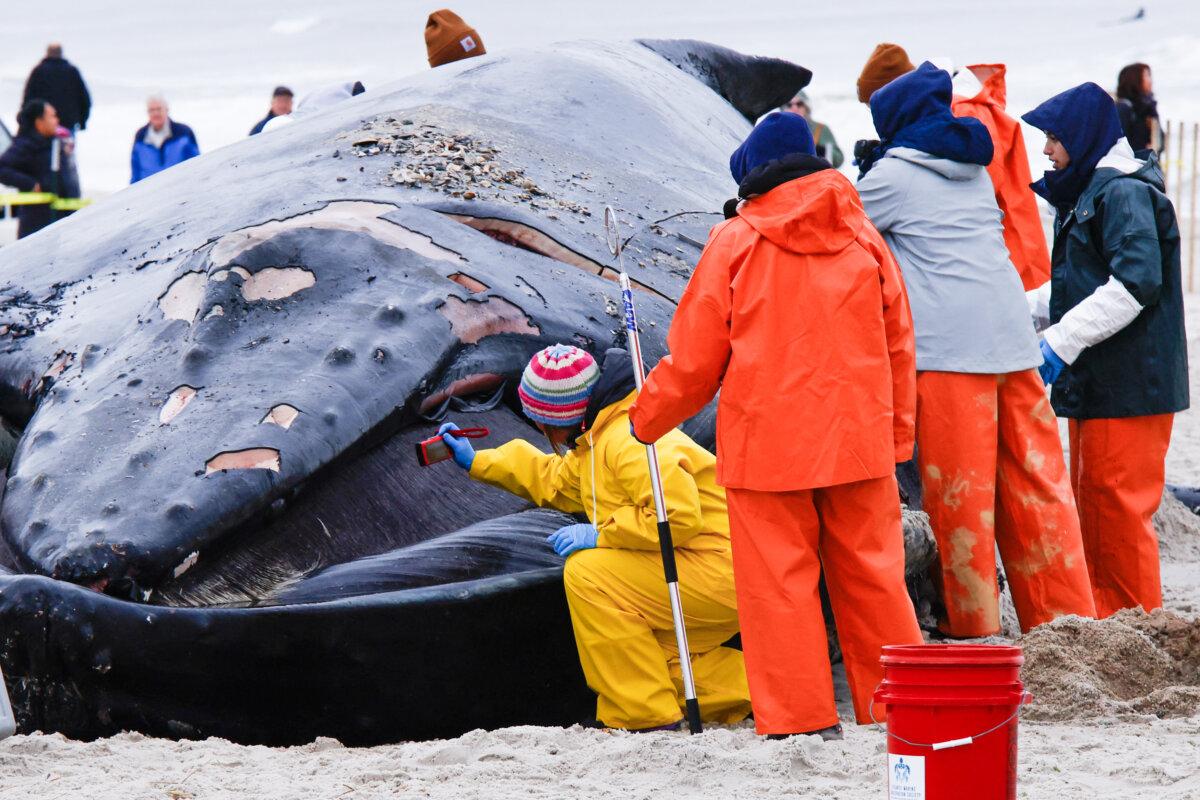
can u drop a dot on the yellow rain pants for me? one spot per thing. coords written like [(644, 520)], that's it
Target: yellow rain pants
[(622, 620)]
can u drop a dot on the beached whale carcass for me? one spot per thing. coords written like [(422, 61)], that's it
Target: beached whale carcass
[(219, 374)]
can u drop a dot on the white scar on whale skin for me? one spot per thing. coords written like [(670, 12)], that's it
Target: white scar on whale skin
[(254, 458), (177, 401), (282, 415), (220, 275), (357, 216), (183, 296), (276, 283), (471, 321)]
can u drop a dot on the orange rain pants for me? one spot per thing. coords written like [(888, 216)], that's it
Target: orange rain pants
[(1118, 472), (992, 465), (781, 543)]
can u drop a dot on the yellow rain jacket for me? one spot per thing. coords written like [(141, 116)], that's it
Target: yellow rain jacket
[(606, 477), (618, 602)]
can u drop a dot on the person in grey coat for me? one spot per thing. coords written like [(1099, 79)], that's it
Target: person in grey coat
[(988, 448)]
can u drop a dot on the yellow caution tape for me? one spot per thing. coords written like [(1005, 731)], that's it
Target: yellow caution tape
[(27, 199), (44, 198), (70, 203)]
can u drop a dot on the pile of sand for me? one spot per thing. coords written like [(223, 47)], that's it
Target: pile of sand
[(1130, 663), (1178, 531)]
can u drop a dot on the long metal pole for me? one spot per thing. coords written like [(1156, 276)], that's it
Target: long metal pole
[(665, 541)]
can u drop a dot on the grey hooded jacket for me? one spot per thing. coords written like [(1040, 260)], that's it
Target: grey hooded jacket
[(942, 223)]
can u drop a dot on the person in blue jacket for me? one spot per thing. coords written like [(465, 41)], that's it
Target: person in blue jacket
[(1113, 340), (160, 143)]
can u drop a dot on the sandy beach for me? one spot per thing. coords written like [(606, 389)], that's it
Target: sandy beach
[(1116, 709)]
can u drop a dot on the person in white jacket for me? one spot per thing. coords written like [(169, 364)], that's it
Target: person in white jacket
[(987, 442)]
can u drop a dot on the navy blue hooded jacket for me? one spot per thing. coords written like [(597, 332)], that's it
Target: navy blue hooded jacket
[(1117, 225), (1085, 120), (25, 164), (914, 111)]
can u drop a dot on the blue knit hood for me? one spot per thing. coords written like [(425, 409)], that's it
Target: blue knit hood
[(776, 136), (914, 111), (1085, 120)]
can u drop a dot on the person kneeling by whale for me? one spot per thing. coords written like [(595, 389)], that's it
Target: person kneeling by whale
[(613, 574)]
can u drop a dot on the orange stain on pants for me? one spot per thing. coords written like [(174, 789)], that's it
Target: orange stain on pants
[(781, 542), (1118, 470), (994, 474)]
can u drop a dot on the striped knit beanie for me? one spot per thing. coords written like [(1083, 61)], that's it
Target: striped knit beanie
[(556, 385)]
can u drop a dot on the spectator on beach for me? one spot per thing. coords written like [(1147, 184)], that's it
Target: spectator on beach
[(58, 82), (317, 100), (1138, 109), (281, 106), (62, 160), (449, 39), (160, 143), (827, 146), (27, 163)]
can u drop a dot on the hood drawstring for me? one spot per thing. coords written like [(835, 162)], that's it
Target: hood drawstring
[(592, 448)]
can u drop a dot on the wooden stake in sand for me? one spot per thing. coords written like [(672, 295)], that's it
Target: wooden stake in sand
[(1182, 128), (1191, 220), (1165, 162)]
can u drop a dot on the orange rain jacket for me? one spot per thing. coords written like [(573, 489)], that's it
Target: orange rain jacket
[(1009, 171), (797, 312)]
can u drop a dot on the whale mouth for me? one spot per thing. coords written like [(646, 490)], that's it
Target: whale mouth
[(367, 503), (530, 239)]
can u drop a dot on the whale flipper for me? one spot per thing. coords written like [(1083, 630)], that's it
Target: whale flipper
[(752, 84)]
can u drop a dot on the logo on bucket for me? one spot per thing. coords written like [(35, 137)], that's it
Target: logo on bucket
[(906, 777)]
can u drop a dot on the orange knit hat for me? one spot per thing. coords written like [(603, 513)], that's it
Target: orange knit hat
[(448, 38), (888, 62)]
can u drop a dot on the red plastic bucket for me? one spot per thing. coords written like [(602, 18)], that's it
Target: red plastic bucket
[(952, 720)]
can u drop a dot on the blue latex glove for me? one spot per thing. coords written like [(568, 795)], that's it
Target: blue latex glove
[(464, 454), (573, 537), (1052, 366)]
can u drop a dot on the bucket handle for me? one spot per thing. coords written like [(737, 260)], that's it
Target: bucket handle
[(951, 743)]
